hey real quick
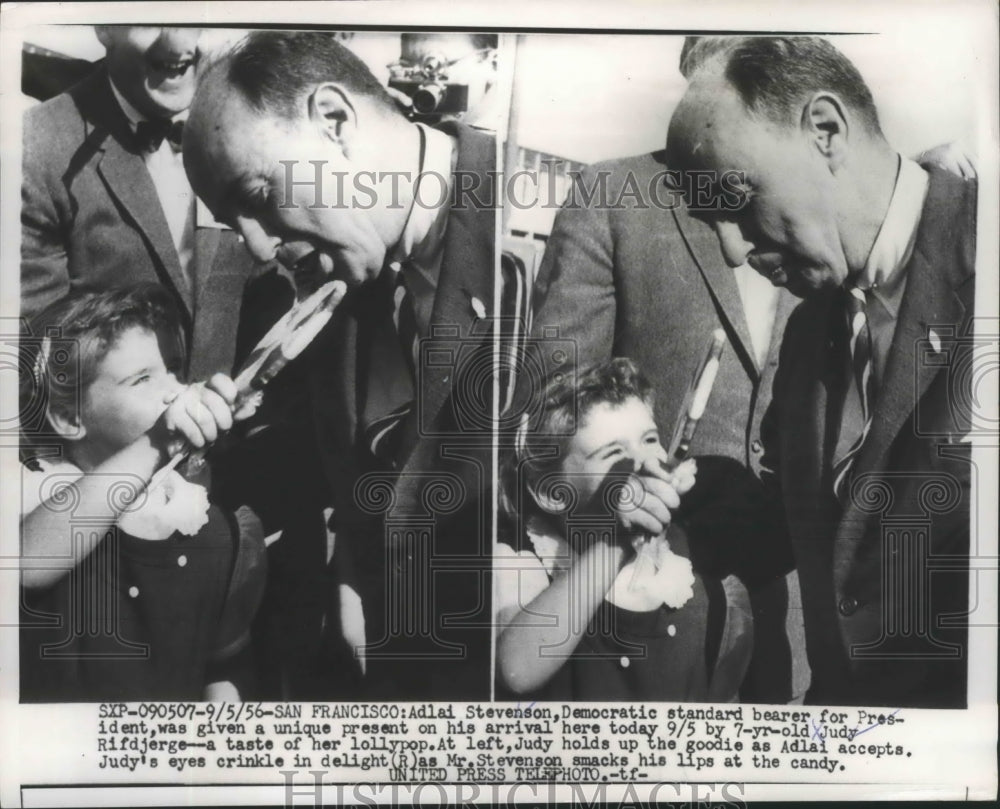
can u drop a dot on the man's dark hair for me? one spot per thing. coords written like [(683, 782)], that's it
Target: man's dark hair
[(273, 69), (696, 51), (776, 75)]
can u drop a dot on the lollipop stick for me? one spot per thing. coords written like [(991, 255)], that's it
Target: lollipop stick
[(643, 561)]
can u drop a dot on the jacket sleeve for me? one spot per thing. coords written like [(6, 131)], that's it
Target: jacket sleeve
[(45, 220), (246, 583), (575, 287), (734, 525)]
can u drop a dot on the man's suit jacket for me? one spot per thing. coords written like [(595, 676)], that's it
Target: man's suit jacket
[(91, 220), (403, 525), (884, 580), (631, 274), (638, 277)]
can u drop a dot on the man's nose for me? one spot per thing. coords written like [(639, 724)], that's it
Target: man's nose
[(735, 247), (263, 246)]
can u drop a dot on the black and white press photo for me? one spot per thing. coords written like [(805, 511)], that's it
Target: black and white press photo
[(412, 403)]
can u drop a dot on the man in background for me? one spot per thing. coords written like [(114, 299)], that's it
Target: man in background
[(451, 76), (105, 200), (295, 144)]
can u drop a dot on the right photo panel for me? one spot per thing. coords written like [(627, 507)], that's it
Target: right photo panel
[(737, 261)]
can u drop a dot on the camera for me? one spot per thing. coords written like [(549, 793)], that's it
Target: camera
[(429, 87)]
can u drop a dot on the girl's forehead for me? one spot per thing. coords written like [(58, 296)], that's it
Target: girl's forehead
[(631, 414), (134, 343)]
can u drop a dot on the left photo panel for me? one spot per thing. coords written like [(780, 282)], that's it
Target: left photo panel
[(259, 317)]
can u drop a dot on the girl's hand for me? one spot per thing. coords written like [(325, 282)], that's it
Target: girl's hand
[(198, 414), (683, 476), (646, 501)]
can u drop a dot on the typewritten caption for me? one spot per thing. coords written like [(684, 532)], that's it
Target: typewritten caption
[(422, 742)]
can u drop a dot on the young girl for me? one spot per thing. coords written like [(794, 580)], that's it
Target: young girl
[(590, 610), (131, 591)]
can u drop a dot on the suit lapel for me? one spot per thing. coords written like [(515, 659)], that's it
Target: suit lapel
[(128, 180), (941, 266), (206, 247), (928, 300), (721, 282), (786, 304), (466, 266)]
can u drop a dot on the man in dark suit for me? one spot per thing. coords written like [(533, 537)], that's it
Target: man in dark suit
[(865, 430), (105, 201), (293, 142)]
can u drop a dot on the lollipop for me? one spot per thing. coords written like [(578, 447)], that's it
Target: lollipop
[(286, 339), (696, 401)]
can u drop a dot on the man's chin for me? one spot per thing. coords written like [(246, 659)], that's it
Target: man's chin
[(805, 282), (170, 98)]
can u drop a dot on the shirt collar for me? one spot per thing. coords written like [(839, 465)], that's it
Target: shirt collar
[(132, 114), (884, 272), (424, 229)]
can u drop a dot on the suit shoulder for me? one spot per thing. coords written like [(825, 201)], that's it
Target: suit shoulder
[(645, 165), (948, 223), (53, 128), (625, 186)]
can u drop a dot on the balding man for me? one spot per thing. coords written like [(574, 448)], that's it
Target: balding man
[(294, 143), (865, 444)]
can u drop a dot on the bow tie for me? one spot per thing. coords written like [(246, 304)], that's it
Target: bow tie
[(149, 135)]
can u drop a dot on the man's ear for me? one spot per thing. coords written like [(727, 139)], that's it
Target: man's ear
[(330, 106), (66, 424), (825, 121)]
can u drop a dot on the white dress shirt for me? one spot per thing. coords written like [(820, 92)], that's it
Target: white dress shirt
[(760, 306), (421, 246), (884, 274)]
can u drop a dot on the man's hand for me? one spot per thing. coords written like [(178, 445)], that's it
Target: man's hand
[(198, 414), (950, 157)]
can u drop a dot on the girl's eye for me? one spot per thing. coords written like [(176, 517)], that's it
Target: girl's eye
[(139, 380)]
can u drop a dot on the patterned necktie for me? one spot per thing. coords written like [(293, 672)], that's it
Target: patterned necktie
[(856, 419), (149, 135)]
